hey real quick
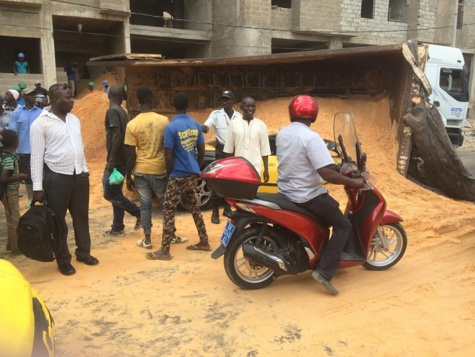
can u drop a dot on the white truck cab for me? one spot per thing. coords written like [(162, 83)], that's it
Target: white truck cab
[(449, 81)]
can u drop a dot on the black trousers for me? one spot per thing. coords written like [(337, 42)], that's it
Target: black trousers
[(25, 166), (326, 208), (69, 193), (219, 155)]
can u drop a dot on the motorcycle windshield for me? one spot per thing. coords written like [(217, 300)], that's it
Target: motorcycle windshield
[(346, 138)]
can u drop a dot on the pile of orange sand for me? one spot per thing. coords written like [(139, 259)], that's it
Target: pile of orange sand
[(420, 208)]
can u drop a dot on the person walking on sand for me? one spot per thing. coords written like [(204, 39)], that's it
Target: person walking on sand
[(116, 123), (184, 154), (60, 175), (144, 136), (220, 120), (247, 137)]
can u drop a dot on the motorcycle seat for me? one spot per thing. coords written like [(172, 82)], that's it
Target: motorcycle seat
[(280, 200)]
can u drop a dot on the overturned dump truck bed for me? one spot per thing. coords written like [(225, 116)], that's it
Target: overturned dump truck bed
[(382, 71)]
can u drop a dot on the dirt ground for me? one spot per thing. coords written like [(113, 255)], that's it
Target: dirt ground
[(131, 306)]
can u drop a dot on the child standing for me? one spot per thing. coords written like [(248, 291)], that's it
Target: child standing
[(10, 177)]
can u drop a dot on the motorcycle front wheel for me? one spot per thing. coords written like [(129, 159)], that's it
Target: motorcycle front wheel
[(382, 259), (241, 271)]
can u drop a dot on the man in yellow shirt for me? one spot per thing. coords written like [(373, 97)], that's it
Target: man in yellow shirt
[(146, 161)]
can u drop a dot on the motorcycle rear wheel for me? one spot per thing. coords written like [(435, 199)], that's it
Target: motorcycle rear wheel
[(381, 259), (242, 272)]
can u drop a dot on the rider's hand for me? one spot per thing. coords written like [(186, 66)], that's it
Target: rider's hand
[(359, 183)]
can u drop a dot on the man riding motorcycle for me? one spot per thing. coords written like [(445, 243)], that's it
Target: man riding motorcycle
[(303, 161)]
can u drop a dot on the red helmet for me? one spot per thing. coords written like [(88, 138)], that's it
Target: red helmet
[(303, 107)]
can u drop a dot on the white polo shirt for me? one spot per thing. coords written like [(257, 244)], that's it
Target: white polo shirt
[(219, 120), (249, 140), (300, 153)]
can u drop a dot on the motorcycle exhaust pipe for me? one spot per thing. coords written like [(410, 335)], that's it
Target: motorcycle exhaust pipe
[(257, 256)]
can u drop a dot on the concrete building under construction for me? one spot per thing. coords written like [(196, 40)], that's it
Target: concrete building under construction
[(52, 33)]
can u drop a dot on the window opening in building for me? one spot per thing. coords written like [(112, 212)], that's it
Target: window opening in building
[(282, 3), (396, 11), (460, 15), (455, 83), (367, 9), (157, 13), (12, 46)]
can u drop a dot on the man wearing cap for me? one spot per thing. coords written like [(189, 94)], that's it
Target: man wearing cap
[(90, 86), (20, 122), (9, 105), (105, 84), (21, 66), (220, 120)]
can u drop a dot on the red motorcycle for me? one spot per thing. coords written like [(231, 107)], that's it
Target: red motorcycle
[(269, 236)]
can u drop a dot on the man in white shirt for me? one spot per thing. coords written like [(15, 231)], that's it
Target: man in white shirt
[(303, 162), (220, 120), (58, 151), (248, 138)]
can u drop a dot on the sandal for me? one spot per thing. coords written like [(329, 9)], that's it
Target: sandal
[(141, 243), (177, 240), (159, 255), (199, 246)]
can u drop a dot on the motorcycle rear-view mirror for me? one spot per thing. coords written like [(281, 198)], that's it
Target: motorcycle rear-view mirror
[(331, 146)]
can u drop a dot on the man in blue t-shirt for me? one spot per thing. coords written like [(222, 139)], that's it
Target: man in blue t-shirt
[(184, 154), (20, 66)]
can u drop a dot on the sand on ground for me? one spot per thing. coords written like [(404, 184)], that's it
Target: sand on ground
[(131, 306)]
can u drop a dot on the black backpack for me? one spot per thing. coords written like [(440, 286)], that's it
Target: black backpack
[(38, 233)]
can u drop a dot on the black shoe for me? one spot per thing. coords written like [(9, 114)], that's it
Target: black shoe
[(66, 269), (227, 212), (215, 216), (325, 283), (88, 260)]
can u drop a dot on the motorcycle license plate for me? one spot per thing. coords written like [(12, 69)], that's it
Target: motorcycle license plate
[(228, 232)]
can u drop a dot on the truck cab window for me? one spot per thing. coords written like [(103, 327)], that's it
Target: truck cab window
[(455, 83)]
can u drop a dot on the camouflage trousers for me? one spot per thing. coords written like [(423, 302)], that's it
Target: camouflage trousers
[(177, 189)]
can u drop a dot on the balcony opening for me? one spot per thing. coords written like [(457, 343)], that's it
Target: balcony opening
[(180, 14), (367, 9), (283, 45), (12, 46), (287, 4)]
